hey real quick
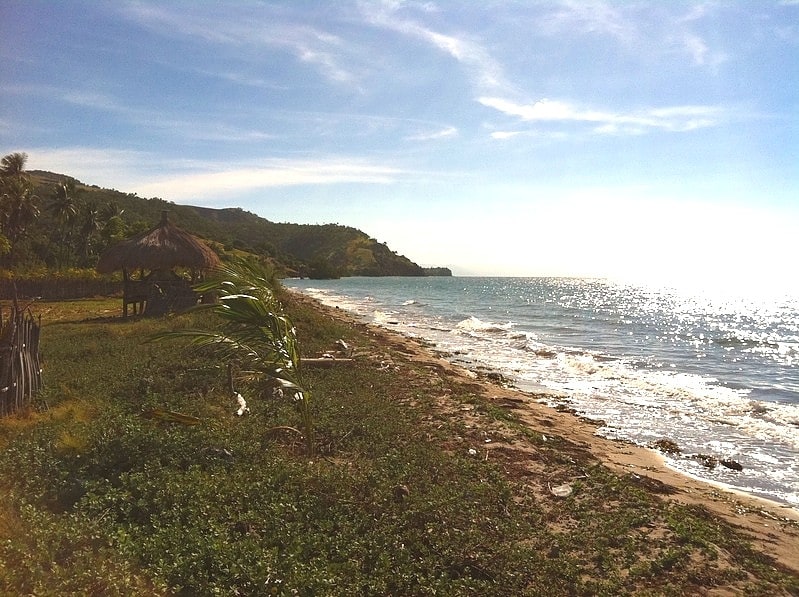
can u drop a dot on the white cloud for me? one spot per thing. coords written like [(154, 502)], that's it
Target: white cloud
[(257, 28), (209, 184), (696, 47), (444, 133), (144, 173), (645, 29), (501, 135), (112, 168), (584, 17), (484, 70), (674, 118)]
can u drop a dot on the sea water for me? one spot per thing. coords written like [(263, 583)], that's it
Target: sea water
[(716, 373)]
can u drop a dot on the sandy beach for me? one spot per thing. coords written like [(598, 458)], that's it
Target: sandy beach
[(773, 528)]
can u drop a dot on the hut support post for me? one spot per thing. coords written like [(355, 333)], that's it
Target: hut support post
[(134, 292)]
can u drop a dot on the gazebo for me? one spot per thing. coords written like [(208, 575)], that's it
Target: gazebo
[(155, 254)]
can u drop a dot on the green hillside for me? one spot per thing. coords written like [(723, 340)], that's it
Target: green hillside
[(69, 223)]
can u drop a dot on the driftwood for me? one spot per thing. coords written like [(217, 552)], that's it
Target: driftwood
[(326, 362)]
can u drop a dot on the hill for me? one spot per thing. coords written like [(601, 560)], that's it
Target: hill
[(92, 218)]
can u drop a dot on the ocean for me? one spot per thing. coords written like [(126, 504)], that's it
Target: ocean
[(718, 374)]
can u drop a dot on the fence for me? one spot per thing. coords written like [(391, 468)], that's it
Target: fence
[(20, 370), (57, 289)]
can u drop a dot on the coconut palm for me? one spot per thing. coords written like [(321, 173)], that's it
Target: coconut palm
[(13, 164), (19, 207), (64, 206), (255, 331), (88, 229)]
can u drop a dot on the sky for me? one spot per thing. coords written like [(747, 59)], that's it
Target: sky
[(646, 140)]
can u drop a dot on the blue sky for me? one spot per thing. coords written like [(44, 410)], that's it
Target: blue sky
[(644, 139)]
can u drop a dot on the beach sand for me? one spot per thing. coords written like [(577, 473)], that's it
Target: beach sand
[(772, 528)]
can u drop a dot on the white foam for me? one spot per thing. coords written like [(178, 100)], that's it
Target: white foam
[(474, 325), (638, 400)]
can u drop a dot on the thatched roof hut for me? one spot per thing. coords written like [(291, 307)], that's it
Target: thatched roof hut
[(158, 250), (163, 247)]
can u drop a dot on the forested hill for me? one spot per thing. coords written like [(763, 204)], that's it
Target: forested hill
[(91, 218)]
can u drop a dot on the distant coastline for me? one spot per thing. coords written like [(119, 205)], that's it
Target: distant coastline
[(438, 271)]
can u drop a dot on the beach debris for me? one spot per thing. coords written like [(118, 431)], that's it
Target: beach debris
[(564, 490), (706, 460), (732, 464), (222, 453), (243, 408), (401, 492), (666, 445), (495, 376), (343, 347), (327, 360)]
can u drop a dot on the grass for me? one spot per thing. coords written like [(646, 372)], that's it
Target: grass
[(97, 499)]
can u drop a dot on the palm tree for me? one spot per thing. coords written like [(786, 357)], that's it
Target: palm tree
[(255, 331), (64, 207), (13, 164), (89, 228), (19, 206)]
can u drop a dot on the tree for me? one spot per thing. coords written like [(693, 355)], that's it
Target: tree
[(64, 207), (19, 205), (13, 165), (88, 230)]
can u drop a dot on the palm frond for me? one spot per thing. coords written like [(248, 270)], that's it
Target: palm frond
[(254, 330)]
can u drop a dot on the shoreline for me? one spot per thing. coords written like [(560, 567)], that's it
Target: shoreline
[(772, 526)]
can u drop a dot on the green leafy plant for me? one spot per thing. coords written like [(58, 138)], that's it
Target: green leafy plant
[(255, 331)]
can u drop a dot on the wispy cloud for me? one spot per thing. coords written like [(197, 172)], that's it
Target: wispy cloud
[(501, 135), (113, 168), (201, 128), (675, 119), (207, 184), (666, 30), (239, 78), (75, 96), (444, 133), (486, 72), (588, 17), (254, 27), (152, 175)]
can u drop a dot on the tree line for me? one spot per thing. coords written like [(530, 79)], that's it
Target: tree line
[(53, 222), (55, 225)]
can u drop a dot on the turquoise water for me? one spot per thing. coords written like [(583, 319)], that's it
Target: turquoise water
[(718, 374)]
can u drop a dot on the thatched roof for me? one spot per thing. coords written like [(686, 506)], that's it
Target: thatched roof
[(164, 247)]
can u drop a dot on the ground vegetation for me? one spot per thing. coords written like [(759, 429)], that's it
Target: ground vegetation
[(134, 474)]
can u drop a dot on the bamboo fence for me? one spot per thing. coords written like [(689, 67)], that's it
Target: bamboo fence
[(20, 369)]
